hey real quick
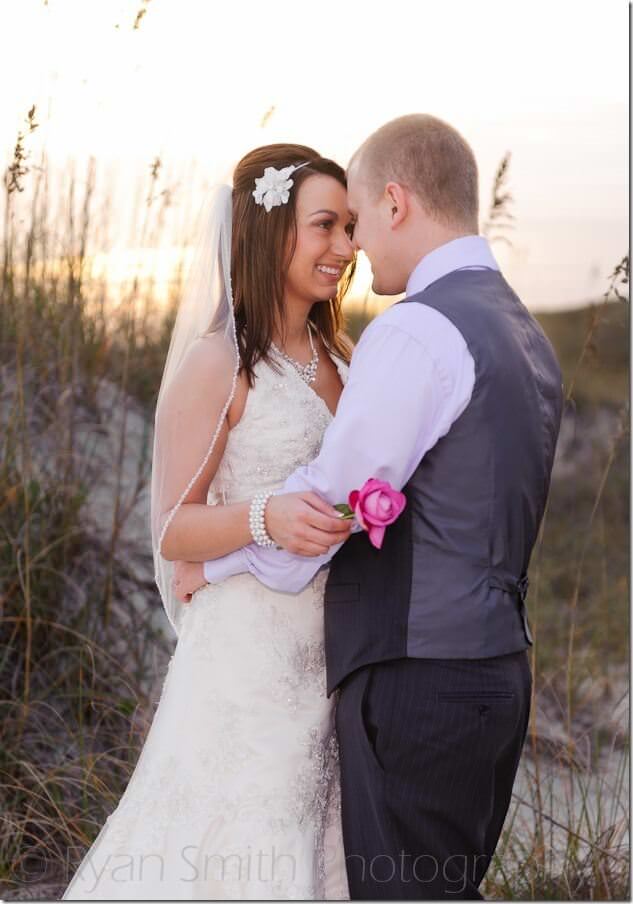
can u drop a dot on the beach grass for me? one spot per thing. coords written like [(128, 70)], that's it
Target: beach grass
[(83, 646)]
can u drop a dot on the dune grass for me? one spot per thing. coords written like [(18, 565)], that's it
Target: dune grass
[(82, 654)]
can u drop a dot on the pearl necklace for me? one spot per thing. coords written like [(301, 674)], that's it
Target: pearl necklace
[(307, 372)]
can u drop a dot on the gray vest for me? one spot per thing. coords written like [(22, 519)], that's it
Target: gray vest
[(451, 578)]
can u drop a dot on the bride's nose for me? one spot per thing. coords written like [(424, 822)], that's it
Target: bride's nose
[(342, 245)]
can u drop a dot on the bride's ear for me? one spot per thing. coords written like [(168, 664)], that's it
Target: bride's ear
[(398, 202)]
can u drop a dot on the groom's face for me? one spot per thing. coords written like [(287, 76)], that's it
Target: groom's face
[(372, 232)]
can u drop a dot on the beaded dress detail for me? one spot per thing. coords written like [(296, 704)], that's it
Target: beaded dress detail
[(236, 792)]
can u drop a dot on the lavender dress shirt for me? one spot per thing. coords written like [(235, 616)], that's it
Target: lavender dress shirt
[(411, 376)]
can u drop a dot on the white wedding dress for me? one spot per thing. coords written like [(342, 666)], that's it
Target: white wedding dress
[(236, 792)]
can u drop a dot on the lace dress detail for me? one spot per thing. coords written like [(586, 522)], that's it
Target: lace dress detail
[(236, 792)]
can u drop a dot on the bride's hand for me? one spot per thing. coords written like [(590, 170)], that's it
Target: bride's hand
[(188, 577), (304, 524)]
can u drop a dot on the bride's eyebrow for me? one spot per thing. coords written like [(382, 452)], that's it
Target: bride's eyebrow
[(332, 213)]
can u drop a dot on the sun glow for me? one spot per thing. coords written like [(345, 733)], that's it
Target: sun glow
[(198, 84)]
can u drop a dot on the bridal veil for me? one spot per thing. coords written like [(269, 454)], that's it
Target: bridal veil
[(184, 434)]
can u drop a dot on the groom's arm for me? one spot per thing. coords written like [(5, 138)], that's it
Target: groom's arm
[(410, 378)]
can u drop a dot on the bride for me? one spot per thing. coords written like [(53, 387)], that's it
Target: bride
[(235, 794)]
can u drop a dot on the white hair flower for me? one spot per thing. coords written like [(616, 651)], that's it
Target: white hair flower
[(273, 188)]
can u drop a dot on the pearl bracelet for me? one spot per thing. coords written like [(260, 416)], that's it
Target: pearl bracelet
[(256, 520)]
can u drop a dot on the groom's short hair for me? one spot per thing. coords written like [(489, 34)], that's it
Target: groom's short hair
[(431, 159)]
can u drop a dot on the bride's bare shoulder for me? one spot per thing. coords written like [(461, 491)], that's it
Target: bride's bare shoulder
[(212, 352), (209, 367), (210, 357), (205, 374)]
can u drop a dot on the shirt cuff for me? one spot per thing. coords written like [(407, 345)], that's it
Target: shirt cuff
[(217, 570)]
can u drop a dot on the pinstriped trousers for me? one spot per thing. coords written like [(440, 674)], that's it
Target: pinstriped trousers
[(429, 750)]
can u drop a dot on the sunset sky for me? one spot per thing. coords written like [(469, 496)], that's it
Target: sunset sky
[(547, 81)]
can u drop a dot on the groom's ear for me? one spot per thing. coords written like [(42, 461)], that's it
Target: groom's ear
[(398, 202)]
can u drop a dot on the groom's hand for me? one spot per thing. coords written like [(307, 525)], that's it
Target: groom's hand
[(187, 578), (304, 524)]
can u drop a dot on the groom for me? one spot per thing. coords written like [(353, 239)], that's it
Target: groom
[(454, 396)]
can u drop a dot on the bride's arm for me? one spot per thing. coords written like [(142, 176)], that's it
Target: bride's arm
[(187, 417)]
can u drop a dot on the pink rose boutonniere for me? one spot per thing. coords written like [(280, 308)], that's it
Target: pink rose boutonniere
[(376, 505)]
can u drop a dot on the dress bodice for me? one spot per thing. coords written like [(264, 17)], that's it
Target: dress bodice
[(281, 428)]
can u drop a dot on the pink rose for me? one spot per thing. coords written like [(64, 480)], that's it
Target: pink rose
[(376, 505)]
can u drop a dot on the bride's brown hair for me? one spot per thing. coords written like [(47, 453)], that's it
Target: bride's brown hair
[(262, 247)]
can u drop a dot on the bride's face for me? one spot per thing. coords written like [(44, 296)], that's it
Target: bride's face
[(323, 245)]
